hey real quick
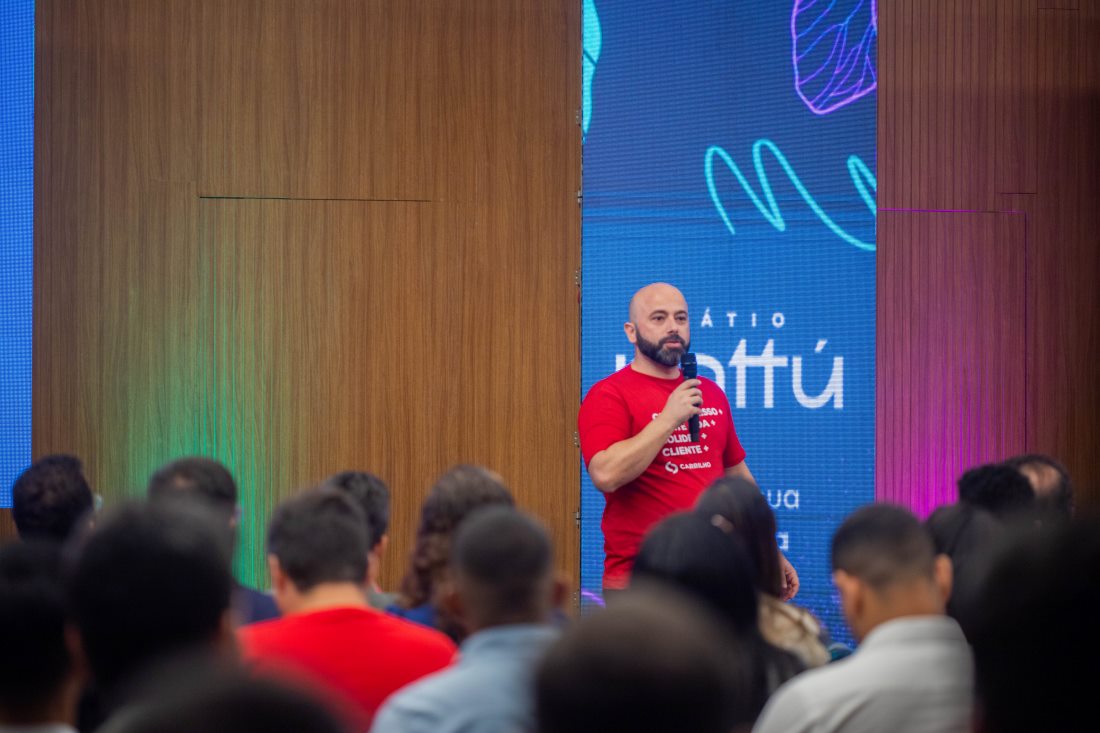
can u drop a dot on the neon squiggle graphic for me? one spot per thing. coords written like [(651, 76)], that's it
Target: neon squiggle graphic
[(864, 179), (592, 41), (832, 66)]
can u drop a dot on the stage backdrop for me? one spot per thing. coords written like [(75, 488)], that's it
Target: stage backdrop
[(16, 243), (730, 150)]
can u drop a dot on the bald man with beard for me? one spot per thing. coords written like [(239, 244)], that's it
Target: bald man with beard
[(635, 440)]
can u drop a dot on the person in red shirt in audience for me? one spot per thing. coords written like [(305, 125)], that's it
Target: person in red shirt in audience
[(329, 638)]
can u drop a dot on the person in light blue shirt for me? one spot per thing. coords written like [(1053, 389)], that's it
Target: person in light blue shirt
[(504, 593)]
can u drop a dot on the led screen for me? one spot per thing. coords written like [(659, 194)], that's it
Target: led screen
[(729, 149), (16, 245)]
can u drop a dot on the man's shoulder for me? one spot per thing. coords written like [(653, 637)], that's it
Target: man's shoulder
[(797, 705), (453, 699), (709, 385), (613, 383)]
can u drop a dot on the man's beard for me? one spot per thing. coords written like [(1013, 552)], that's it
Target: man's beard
[(658, 352)]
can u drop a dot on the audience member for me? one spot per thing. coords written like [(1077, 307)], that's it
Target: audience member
[(504, 591), (151, 582), (705, 561), (740, 504), (1035, 639), (194, 699), (328, 635), (1050, 481), (39, 683), (999, 489), (373, 497), (913, 670), (211, 482), (970, 537), (653, 661), (51, 499), (457, 493)]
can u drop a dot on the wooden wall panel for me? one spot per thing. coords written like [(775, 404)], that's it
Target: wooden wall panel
[(311, 236), (951, 377), (1035, 163), (1064, 299), (1017, 92), (320, 98), (935, 108)]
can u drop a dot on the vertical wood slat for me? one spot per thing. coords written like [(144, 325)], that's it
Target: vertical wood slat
[(1063, 393), (936, 131), (1016, 97), (950, 377)]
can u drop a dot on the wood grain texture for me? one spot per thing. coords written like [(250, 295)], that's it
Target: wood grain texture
[(8, 532), (1023, 93), (950, 375), (937, 75), (311, 236), (1063, 297)]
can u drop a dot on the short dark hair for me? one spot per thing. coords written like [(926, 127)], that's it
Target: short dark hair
[(373, 497), (506, 555), (151, 581), (50, 498), (456, 494), (319, 536), (971, 537), (882, 544), (740, 502), (1033, 639), (1060, 500), (32, 629), (224, 701), (652, 661), (997, 488), (197, 476)]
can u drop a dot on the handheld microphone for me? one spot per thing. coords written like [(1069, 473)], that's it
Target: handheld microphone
[(690, 369)]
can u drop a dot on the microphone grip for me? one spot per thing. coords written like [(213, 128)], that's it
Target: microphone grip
[(689, 367)]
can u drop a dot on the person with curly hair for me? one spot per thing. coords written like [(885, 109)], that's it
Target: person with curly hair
[(456, 494)]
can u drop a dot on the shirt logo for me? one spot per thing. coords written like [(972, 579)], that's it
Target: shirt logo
[(672, 467)]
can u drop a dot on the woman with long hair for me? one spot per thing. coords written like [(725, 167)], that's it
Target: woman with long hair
[(740, 504)]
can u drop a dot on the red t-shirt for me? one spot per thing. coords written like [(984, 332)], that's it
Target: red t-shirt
[(357, 657), (619, 407)]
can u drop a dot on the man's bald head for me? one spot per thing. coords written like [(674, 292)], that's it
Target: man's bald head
[(653, 296), (658, 327)]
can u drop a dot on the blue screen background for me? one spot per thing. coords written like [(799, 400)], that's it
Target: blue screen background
[(16, 240), (669, 86)]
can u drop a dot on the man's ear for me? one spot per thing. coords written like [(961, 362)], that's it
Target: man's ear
[(943, 572), (451, 602), (383, 543), (282, 588), (226, 638), (275, 570), (852, 594), (631, 332)]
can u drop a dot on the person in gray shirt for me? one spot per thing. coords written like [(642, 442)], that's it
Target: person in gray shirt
[(913, 670), (504, 593)]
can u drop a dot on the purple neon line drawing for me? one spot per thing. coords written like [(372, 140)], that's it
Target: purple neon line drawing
[(833, 47)]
